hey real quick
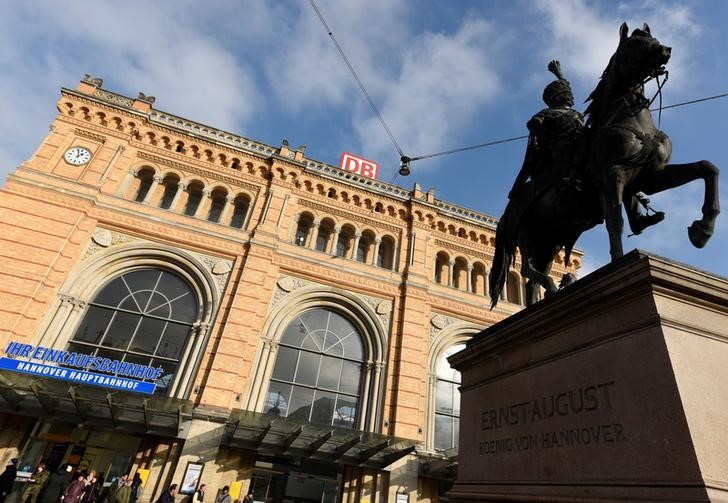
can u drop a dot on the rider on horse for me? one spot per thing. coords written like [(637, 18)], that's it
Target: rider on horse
[(557, 152)]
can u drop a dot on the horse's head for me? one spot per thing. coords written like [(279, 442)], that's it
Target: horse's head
[(639, 56)]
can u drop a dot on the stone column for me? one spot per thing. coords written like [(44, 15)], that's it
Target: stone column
[(451, 272), (203, 203), (355, 246), (334, 240), (469, 279), (294, 228), (156, 182), (377, 242), (225, 214), (259, 375), (181, 189), (126, 182), (314, 234)]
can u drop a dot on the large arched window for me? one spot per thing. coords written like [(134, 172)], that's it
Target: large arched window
[(143, 317), (447, 402), (318, 371)]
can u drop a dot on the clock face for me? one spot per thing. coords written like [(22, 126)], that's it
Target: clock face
[(77, 156)]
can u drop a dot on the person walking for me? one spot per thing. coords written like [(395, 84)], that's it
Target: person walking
[(7, 478), (123, 493), (200, 493), (248, 498), (36, 483), (168, 495), (136, 488), (74, 491), (224, 496)]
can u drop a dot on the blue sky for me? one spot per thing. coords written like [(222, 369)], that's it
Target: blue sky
[(443, 74)]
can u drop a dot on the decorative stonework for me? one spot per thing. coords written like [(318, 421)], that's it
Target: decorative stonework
[(288, 284), (91, 136), (102, 239), (438, 322), (113, 98), (222, 267)]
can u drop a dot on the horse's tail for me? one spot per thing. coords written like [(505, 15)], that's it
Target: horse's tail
[(505, 251)]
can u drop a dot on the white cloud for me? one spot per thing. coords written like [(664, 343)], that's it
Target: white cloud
[(162, 50), (584, 35), (443, 81)]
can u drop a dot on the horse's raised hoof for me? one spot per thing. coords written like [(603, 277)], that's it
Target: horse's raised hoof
[(699, 233)]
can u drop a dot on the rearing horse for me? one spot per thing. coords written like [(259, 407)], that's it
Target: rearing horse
[(628, 154)]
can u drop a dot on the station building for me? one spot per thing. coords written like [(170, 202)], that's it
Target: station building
[(292, 318)]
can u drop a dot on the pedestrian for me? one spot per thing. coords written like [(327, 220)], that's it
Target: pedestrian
[(36, 483), (123, 493), (74, 491), (136, 488), (224, 496), (116, 485), (168, 495), (92, 488), (7, 478), (200, 493), (248, 498)]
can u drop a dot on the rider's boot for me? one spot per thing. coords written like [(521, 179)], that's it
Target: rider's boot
[(638, 222)]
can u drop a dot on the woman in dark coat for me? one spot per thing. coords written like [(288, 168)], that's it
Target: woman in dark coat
[(7, 479), (73, 492)]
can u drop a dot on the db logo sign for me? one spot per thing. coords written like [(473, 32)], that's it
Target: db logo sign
[(359, 165)]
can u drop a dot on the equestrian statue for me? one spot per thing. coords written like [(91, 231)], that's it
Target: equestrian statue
[(579, 173)]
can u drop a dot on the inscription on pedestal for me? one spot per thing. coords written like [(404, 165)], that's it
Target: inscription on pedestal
[(535, 415)]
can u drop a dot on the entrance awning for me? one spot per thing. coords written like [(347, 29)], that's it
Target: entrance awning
[(278, 436), (28, 395)]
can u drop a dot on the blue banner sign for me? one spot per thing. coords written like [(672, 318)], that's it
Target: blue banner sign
[(120, 375)]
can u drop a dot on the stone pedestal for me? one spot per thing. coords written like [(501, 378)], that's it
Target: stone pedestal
[(615, 389)]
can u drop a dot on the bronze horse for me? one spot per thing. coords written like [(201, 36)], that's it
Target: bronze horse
[(627, 155)]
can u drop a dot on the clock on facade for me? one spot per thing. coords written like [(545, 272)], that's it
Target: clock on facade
[(77, 156)]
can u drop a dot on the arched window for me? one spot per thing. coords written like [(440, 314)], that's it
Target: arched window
[(344, 242), (318, 371), (460, 274), (146, 178), (513, 288), (362, 251), (385, 257), (194, 198), (305, 222), (447, 402), (171, 185), (217, 204), (325, 232), (142, 317), (442, 265), (240, 211)]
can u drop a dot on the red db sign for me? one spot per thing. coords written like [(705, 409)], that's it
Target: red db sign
[(359, 165)]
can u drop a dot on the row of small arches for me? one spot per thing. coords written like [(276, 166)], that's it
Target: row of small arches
[(462, 274), (346, 241), (190, 197)]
